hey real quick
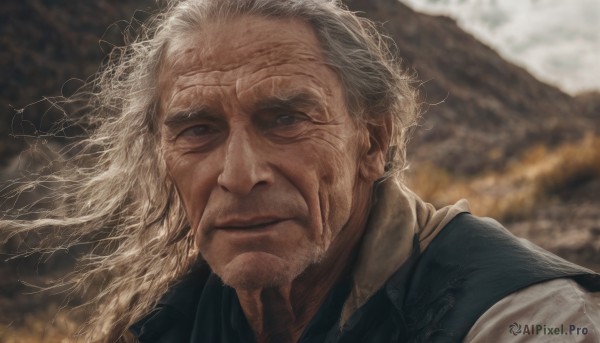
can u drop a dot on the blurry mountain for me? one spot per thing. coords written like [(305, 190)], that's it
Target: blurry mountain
[(47, 47), (485, 111), (557, 41), (482, 112), (589, 106)]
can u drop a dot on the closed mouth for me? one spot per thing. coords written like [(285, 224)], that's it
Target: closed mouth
[(249, 224)]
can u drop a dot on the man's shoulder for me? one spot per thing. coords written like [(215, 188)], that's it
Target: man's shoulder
[(471, 265), (481, 248), (550, 311)]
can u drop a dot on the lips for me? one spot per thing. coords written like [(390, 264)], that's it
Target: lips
[(247, 223)]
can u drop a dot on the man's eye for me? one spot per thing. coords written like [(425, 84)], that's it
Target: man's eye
[(287, 119), (198, 130)]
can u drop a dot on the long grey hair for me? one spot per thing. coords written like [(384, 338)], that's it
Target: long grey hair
[(114, 190)]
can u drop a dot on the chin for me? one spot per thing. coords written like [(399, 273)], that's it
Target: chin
[(256, 270)]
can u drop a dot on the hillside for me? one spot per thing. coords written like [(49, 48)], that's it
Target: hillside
[(46, 49), (484, 111)]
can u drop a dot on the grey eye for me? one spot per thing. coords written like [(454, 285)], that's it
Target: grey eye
[(287, 119), (198, 130)]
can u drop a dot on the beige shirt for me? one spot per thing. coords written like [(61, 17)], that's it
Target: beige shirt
[(569, 313)]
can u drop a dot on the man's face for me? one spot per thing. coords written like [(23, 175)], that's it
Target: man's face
[(260, 147)]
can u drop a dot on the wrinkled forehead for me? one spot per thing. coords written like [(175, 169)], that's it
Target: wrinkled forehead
[(228, 44), (246, 59)]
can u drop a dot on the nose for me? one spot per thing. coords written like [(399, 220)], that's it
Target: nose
[(245, 164)]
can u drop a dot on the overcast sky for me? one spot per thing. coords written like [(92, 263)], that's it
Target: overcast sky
[(556, 40)]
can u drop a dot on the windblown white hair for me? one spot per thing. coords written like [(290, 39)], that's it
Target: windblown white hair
[(115, 191)]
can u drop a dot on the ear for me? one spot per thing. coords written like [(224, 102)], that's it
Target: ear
[(372, 164)]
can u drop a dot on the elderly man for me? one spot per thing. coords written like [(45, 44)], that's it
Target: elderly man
[(264, 141)]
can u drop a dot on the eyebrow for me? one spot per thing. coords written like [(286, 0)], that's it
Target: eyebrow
[(301, 100), (187, 116)]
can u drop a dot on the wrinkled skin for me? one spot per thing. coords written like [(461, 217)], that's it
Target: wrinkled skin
[(274, 174)]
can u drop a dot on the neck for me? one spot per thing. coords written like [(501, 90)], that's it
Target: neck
[(270, 313), (280, 314)]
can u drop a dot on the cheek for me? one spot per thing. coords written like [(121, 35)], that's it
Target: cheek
[(191, 185), (336, 178), (337, 192)]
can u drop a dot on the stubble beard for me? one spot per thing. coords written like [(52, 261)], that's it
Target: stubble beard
[(257, 270)]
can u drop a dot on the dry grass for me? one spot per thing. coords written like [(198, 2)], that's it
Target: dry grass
[(514, 192), (50, 325)]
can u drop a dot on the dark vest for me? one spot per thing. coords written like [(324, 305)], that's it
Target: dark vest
[(436, 296)]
